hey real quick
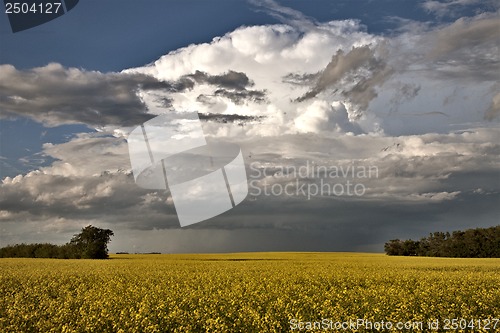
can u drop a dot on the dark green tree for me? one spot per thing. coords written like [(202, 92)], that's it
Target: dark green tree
[(471, 243), (92, 242), (394, 247)]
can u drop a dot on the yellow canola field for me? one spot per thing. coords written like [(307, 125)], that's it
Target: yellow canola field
[(250, 292)]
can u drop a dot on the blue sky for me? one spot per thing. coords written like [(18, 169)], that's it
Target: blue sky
[(113, 35), (425, 91)]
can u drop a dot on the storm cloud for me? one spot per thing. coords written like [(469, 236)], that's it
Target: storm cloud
[(344, 68), (57, 95)]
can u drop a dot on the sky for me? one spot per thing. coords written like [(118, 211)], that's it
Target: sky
[(358, 121)]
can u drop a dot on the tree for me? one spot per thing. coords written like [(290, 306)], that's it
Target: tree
[(410, 247), (92, 242), (394, 247), (471, 243)]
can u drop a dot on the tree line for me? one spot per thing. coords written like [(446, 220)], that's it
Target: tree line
[(471, 243), (90, 243)]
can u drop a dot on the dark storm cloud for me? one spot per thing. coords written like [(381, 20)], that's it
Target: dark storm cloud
[(325, 224), (300, 79), (364, 91), (467, 49), (89, 179), (239, 97), (167, 102), (231, 85), (344, 67), (230, 80), (338, 67), (445, 179), (57, 95), (45, 197)]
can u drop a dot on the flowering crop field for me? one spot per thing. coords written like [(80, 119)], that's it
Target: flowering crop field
[(250, 292)]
